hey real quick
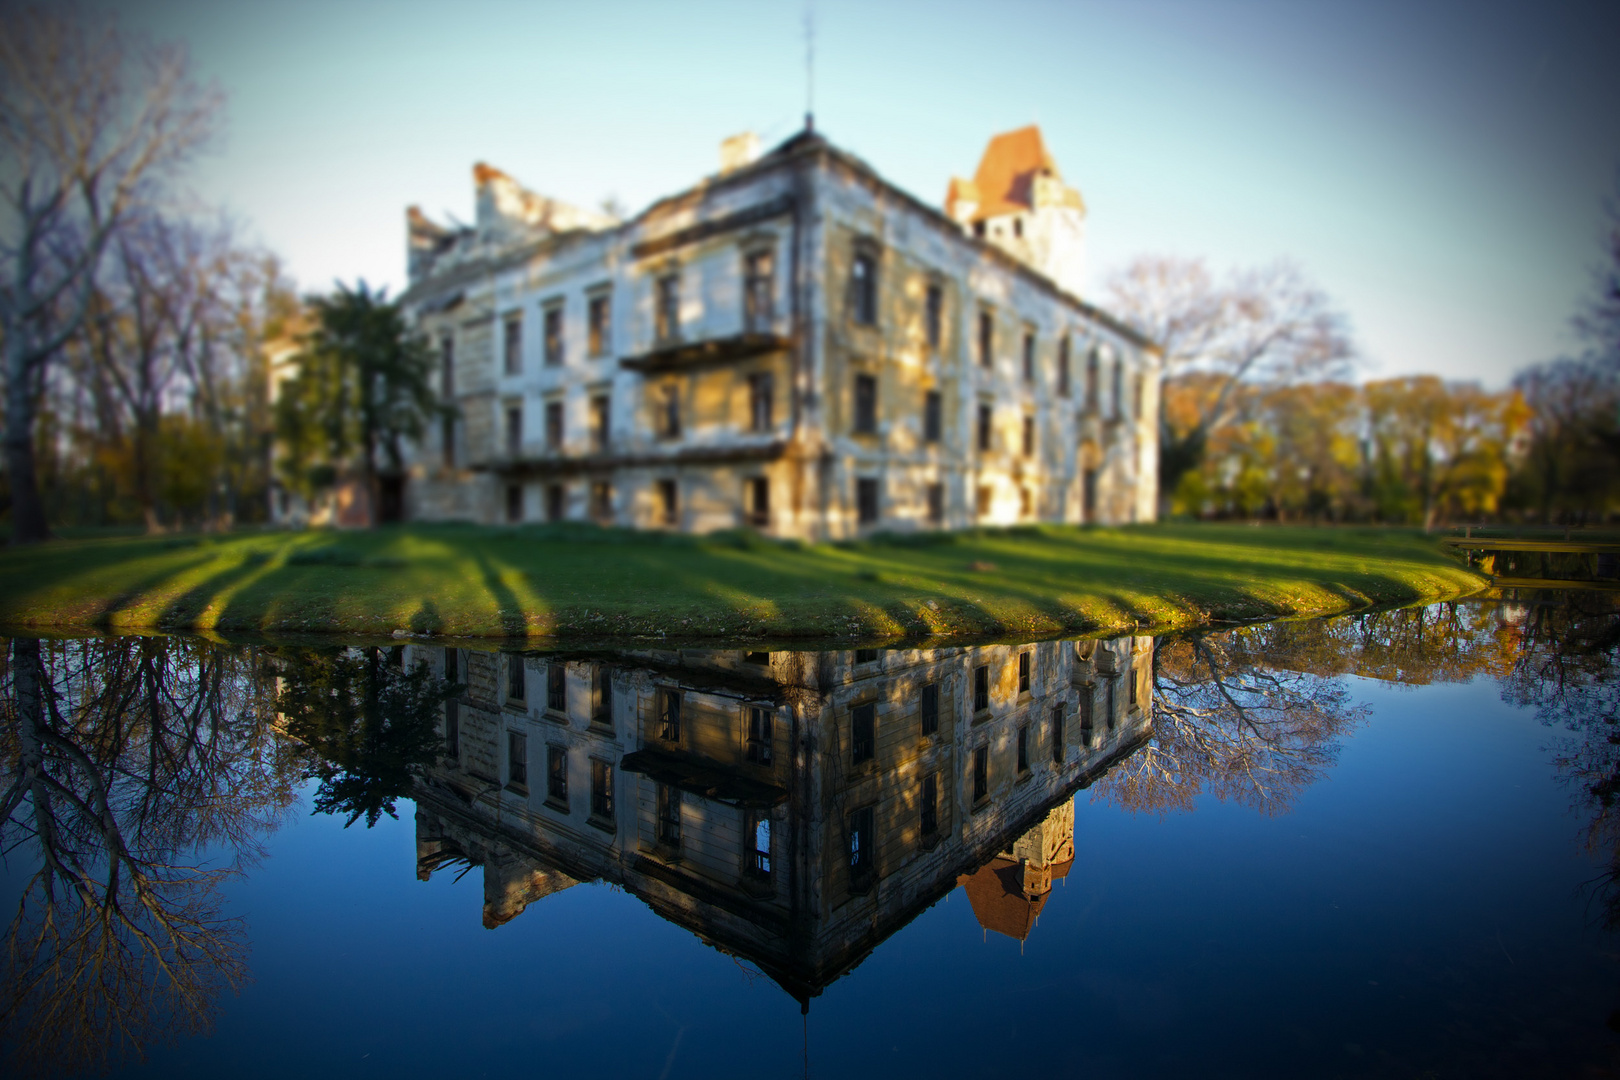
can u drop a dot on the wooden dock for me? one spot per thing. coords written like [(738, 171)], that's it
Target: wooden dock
[(1499, 543)]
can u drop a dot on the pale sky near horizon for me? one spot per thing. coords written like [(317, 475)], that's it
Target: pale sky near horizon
[(1439, 169)]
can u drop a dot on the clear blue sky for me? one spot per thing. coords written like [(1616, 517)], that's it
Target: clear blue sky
[(1438, 168)]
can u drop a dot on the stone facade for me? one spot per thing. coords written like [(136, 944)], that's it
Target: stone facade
[(792, 808), (793, 344)]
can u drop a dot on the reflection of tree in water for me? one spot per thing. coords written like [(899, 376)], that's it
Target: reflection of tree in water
[(129, 763), (369, 725), (1230, 720)]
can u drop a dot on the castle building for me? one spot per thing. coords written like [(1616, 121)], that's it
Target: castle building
[(791, 808), (793, 344)]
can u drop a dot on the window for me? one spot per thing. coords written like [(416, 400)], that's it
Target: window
[(447, 441), (512, 345), (1092, 362), (930, 806), (981, 688), (987, 339), (669, 815), (986, 416), (447, 367), (761, 658), (602, 501), (1018, 227), (452, 730), (866, 500), (554, 425), (514, 430), (936, 504), (1029, 356), (928, 710), (669, 412), (1130, 683), (934, 316), (757, 497), (1023, 749), (601, 790), (1109, 717), (669, 715), (981, 500), (514, 678), (1063, 367), (557, 775), (668, 507), (517, 759), (758, 290), (452, 668), (1057, 734), (933, 416), (598, 318), (866, 656), (1023, 672), (1117, 410), (759, 857), (981, 774), (1088, 494), (863, 733), (861, 862), (556, 502), (1029, 436), (514, 503), (667, 308), (554, 335), (602, 703), (601, 422), (865, 405), (1026, 503), (978, 229), (761, 391), (759, 735), (863, 288), (557, 687), (1088, 700)]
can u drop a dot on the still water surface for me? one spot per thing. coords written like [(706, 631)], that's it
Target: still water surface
[(1380, 845)]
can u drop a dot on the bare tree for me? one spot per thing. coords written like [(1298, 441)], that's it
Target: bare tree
[(91, 122)]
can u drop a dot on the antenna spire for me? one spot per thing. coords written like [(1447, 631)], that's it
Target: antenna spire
[(809, 65)]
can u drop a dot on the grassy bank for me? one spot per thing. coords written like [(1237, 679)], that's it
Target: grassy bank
[(581, 583)]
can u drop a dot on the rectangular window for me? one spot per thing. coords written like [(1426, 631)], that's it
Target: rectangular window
[(602, 501), (928, 710), (757, 495), (933, 416), (863, 288), (669, 715), (867, 656), (986, 422), (447, 441), (1023, 672), (514, 430), (865, 405), (668, 506), (601, 790), (863, 733), (1130, 683), (512, 344), (517, 759), (981, 500), (934, 316), (759, 290), (1029, 436), (557, 687), (930, 806), (452, 730), (1088, 495), (1136, 396), (669, 815), (758, 862), (1092, 362), (601, 422), (981, 688), (861, 862), (667, 308), (447, 367), (669, 412), (556, 502), (515, 690), (557, 775), (598, 316), (936, 504), (1117, 411), (1029, 356), (602, 703), (981, 774), (452, 668), (1023, 749), (554, 425), (1057, 734), (1109, 718), (1088, 705), (759, 735), (761, 394), (554, 335), (514, 503), (866, 500), (987, 339), (1063, 367)]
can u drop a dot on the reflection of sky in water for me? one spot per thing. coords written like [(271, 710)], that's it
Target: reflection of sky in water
[(1419, 908)]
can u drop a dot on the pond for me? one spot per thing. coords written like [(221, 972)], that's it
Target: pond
[(1384, 844)]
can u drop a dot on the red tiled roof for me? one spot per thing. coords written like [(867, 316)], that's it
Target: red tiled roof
[(1008, 169)]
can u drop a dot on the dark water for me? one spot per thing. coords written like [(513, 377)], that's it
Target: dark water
[(1381, 845)]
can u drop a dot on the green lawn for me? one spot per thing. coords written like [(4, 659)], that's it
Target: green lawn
[(587, 584)]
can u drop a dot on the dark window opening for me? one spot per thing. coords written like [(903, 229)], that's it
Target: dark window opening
[(1023, 749), (866, 656), (601, 790), (757, 658), (981, 774), (761, 395), (447, 441), (512, 346), (758, 290), (515, 689), (933, 416), (1130, 683), (1029, 357), (936, 504), (514, 430), (929, 709), (1118, 408), (556, 687), (1023, 672), (554, 425), (865, 405), (556, 502), (667, 309), (978, 229), (557, 775), (861, 862), (1088, 494), (602, 501), (986, 415), (669, 715), (1091, 380), (517, 759), (514, 503), (981, 688), (447, 367), (451, 666), (1018, 227), (981, 500), (599, 312), (1109, 719), (554, 335), (758, 498), (863, 733), (930, 805), (1063, 367), (669, 815), (987, 339), (601, 422), (452, 729), (934, 316), (759, 735), (669, 413), (1057, 734), (602, 710), (863, 289), (866, 500), (1029, 436), (668, 505), (1087, 709)]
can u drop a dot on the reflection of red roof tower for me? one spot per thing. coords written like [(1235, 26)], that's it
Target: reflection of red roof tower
[(1008, 892)]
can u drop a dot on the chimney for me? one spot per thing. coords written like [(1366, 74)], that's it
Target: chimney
[(738, 151)]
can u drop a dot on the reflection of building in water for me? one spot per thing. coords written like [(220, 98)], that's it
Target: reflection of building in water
[(793, 808)]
